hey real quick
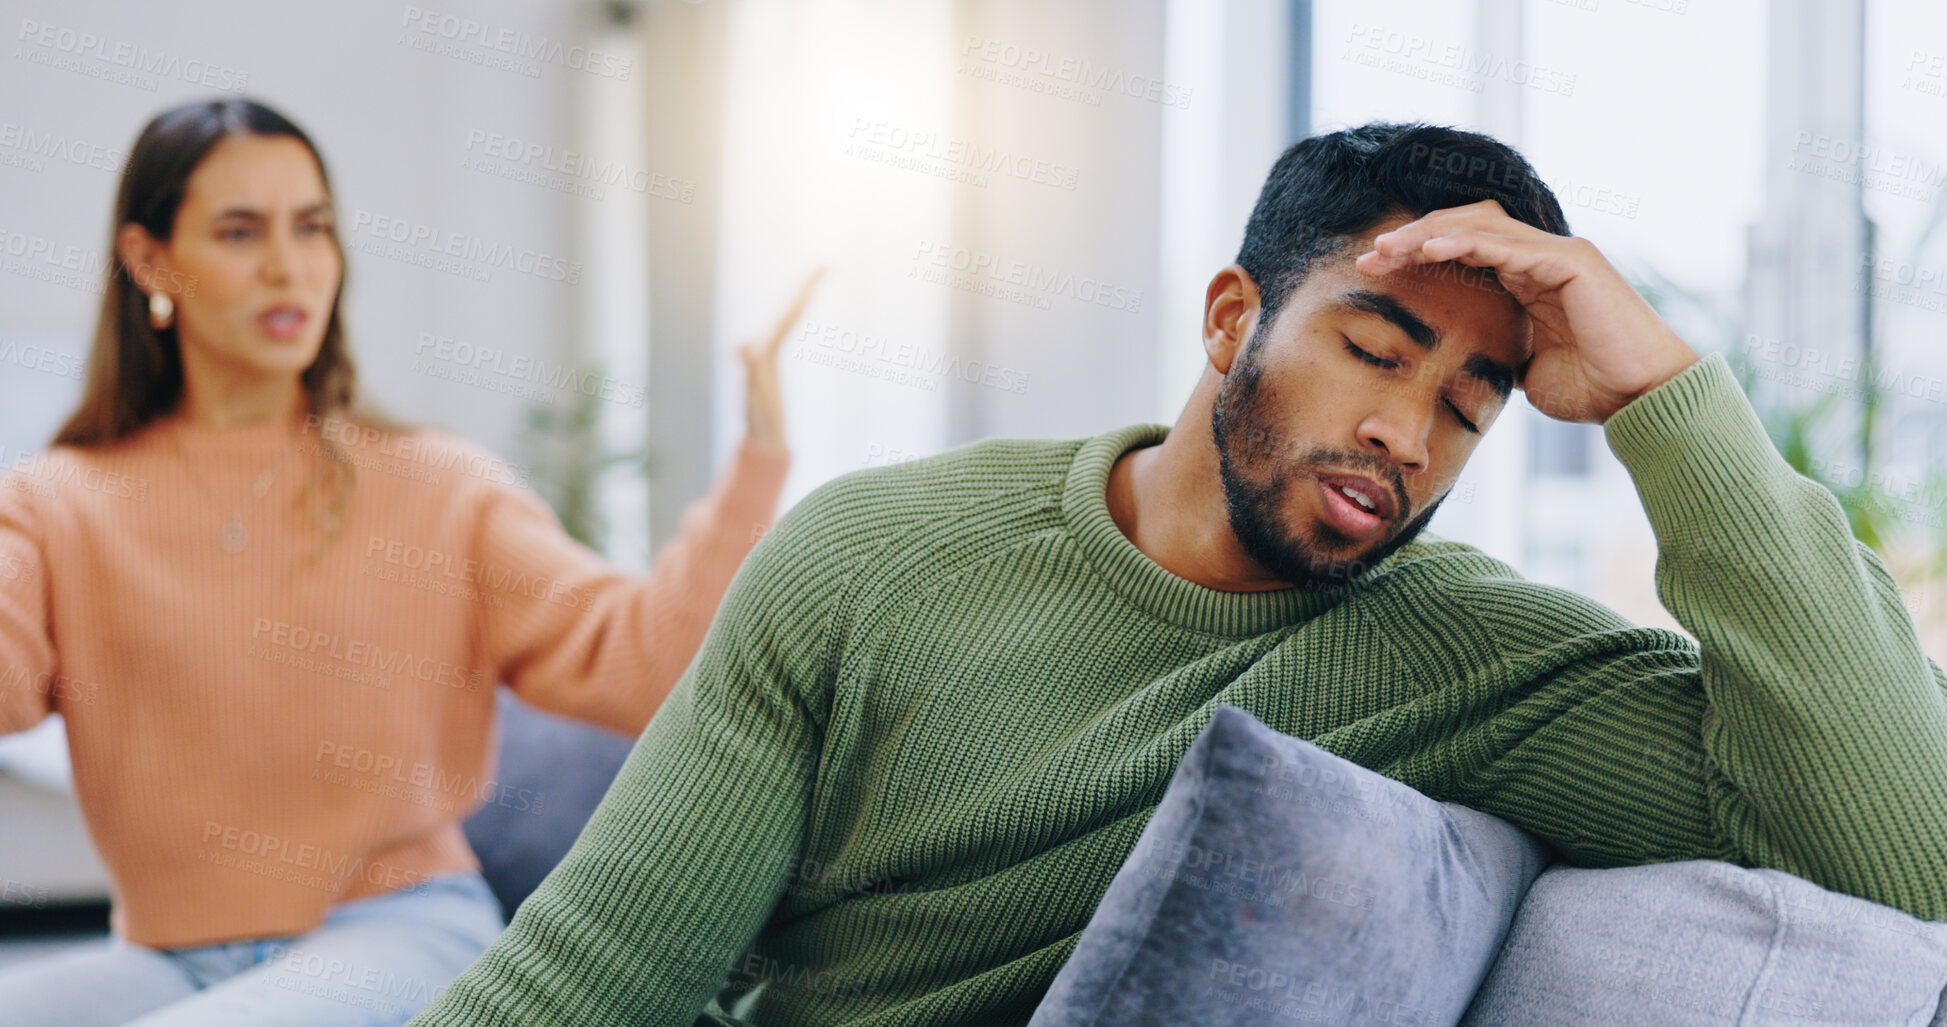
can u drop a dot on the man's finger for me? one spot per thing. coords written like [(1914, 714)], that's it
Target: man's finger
[(1477, 248), (1537, 259), (1485, 215)]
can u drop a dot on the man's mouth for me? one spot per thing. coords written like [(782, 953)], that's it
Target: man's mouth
[(1356, 506)]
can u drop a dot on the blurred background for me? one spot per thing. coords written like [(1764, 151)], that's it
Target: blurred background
[(562, 217)]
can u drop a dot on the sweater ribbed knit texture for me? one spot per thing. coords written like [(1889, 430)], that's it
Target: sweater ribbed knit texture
[(941, 700), (259, 734)]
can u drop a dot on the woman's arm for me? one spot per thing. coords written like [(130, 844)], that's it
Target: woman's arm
[(616, 664), (571, 634), (29, 675)]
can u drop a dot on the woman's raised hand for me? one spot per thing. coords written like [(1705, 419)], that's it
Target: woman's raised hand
[(763, 400)]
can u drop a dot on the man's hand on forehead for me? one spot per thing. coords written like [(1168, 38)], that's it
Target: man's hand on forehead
[(1597, 343)]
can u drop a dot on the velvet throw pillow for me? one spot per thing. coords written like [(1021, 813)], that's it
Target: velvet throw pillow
[(1278, 883)]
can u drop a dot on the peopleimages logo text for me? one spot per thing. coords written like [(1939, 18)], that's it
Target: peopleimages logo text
[(76, 43), (515, 43), (415, 236)]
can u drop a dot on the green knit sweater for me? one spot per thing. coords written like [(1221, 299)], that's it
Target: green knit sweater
[(941, 700)]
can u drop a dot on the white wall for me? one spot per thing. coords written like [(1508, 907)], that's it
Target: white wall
[(1029, 193)]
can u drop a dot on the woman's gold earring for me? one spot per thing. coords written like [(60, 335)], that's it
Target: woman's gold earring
[(161, 310)]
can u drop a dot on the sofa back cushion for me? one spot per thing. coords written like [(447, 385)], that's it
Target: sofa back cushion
[(1706, 943), (550, 774), (1276, 881)]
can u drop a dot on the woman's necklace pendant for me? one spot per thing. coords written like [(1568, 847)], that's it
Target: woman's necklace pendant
[(234, 538)]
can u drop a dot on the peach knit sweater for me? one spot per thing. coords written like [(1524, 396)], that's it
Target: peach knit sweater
[(259, 734)]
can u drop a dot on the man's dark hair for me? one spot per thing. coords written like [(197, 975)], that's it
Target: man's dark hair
[(1328, 188)]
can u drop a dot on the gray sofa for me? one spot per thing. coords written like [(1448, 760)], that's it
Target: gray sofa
[(1277, 883)]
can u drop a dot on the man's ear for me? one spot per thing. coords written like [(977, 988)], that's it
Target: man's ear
[(1230, 312)]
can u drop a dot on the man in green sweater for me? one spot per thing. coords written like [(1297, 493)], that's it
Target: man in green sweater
[(942, 698)]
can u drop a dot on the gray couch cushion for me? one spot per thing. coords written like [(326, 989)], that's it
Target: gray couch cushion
[(551, 773), (1705, 944), (1276, 881)]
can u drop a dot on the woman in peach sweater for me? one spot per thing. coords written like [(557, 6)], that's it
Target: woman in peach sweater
[(273, 624)]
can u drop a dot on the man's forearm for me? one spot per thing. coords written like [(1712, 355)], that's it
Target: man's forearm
[(1825, 719)]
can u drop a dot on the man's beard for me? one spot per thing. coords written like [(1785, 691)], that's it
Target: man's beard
[(1257, 484)]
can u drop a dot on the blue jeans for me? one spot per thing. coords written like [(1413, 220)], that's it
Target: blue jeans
[(374, 961)]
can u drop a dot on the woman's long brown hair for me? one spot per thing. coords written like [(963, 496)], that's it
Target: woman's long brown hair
[(135, 372)]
